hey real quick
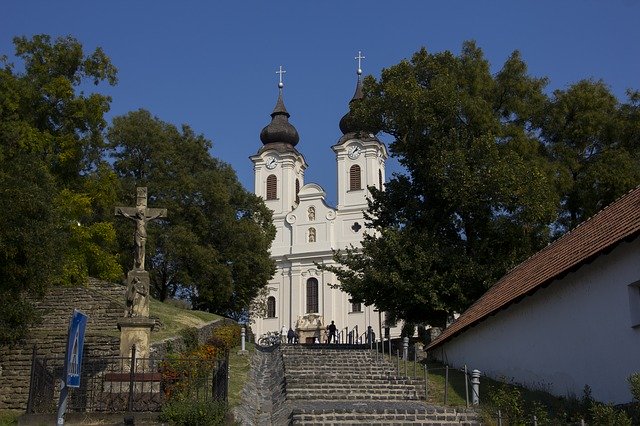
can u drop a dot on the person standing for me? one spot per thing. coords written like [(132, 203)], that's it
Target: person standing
[(291, 336), (332, 332)]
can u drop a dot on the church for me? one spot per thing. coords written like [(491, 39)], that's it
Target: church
[(302, 296)]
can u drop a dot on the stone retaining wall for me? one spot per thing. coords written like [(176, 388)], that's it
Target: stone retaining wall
[(160, 349), (264, 397), (103, 302)]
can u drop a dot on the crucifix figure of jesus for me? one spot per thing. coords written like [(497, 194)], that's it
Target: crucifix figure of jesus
[(141, 215)]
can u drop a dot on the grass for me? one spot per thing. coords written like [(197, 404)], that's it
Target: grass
[(567, 408), (9, 417), (175, 319), (239, 366)]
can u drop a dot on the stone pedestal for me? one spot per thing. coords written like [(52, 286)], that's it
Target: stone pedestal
[(135, 331)]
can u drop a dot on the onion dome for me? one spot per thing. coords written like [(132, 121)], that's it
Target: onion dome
[(347, 123), (280, 131)]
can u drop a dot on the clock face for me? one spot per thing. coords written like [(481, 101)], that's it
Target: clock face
[(271, 162), (354, 151)]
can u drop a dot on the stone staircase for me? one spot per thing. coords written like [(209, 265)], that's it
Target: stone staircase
[(347, 384)]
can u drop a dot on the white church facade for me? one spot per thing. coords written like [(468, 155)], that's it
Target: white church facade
[(302, 296)]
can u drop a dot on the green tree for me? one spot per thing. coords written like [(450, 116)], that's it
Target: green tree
[(594, 141), (50, 156), (214, 245), (478, 194)]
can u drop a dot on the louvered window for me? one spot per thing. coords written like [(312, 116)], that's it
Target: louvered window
[(312, 295), (297, 190), (272, 187), (354, 178), (271, 307), (380, 180)]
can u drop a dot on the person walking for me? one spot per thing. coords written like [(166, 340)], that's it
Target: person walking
[(332, 332)]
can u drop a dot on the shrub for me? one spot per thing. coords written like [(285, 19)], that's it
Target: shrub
[(190, 338), (184, 374), (540, 412), (187, 412), (225, 337), (508, 400), (634, 383), (606, 415)]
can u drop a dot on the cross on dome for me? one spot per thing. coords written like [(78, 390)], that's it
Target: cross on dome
[(359, 58), (280, 71)]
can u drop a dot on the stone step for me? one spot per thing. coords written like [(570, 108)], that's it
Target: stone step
[(340, 396), (350, 385), (294, 382), (383, 413), (377, 419)]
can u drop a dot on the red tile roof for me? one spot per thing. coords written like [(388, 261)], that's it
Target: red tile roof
[(620, 221)]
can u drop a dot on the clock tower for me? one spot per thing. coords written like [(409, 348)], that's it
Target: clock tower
[(360, 158), (278, 166)]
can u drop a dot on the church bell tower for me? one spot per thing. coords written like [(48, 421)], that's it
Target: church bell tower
[(360, 157), (278, 166)]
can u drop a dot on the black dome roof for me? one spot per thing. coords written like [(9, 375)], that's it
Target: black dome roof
[(279, 130), (347, 123)]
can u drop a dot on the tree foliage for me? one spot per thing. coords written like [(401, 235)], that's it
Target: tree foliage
[(494, 168), (214, 245), (594, 141), (50, 142)]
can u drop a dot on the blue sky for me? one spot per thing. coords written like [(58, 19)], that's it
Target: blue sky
[(212, 64)]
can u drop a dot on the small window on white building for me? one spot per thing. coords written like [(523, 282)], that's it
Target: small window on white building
[(634, 303), (272, 187), (312, 235), (271, 307), (356, 307)]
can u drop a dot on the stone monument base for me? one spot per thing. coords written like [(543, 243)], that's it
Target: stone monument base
[(310, 327), (135, 331)]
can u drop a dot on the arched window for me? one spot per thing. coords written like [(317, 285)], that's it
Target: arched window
[(272, 187), (354, 178), (380, 180), (312, 235), (297, 190), (312, 295), (271, 307)]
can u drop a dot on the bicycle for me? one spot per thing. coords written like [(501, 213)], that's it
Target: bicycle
[(270, 338)]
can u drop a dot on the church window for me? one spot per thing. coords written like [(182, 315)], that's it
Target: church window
[(312, 213), (354, 178), (297, 190), (312, 295), (312, 235), (356, 307), (272, 187), (271, 307), (380, 180)]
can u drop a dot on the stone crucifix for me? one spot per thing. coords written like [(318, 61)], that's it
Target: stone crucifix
[(141, 215)]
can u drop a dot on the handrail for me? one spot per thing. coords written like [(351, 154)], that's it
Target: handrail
[(344, 336)]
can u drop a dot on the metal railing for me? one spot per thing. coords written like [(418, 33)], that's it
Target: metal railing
[(115, 384)]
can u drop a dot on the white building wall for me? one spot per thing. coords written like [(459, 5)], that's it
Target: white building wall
[(576, 332)]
